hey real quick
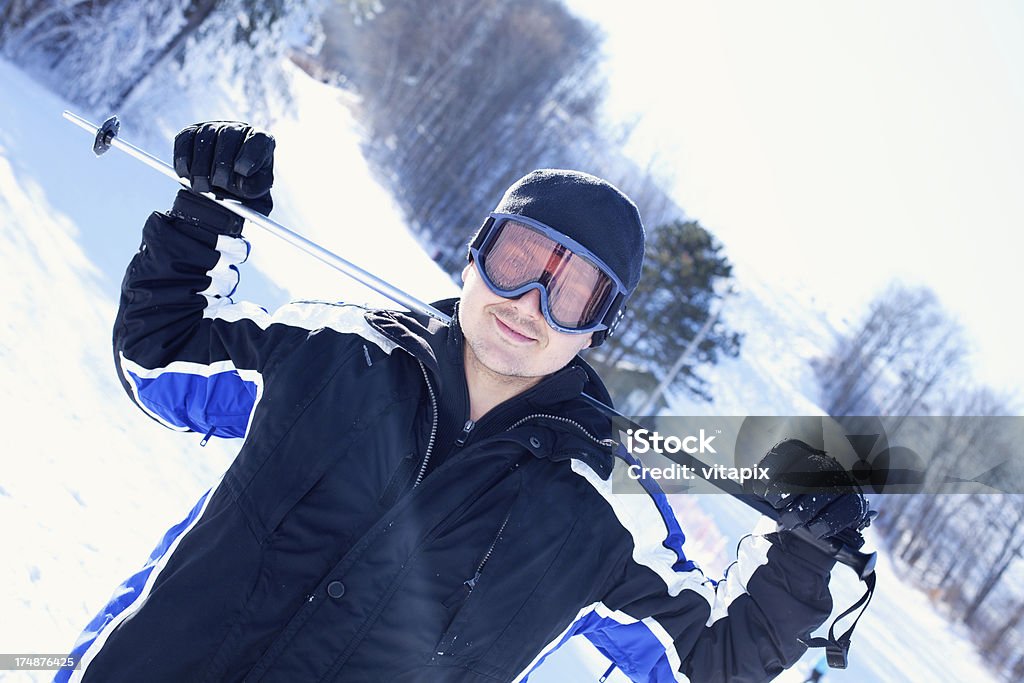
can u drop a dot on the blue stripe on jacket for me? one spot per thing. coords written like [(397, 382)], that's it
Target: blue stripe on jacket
[(131, 590), (675, 538), (219, 404), (633, 647)]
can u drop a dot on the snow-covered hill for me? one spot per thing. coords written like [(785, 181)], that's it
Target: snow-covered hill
[(88, 485)]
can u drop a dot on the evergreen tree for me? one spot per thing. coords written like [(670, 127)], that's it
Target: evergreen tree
[(683, 278)]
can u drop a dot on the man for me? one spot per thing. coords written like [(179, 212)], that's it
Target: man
[(415, 501)]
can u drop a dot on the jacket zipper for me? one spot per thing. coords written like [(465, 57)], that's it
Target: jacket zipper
[(466, 429), (599, 442), (468, 585), (480, 568), (433, 427)]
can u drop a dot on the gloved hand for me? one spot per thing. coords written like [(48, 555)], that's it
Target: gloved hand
[(231, 159), (811, 489)]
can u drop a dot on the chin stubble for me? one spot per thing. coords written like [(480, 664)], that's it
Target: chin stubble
[(515, 374)]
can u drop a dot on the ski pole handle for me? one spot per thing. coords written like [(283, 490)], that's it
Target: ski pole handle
[(840, 546), (106, 137)]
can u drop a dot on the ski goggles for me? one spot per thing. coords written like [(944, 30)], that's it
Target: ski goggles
[(579, 293)]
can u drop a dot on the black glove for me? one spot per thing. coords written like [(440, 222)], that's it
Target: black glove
[(811, 489), (230, 159)]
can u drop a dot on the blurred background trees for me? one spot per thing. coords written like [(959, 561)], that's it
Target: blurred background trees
[(900, 359), (907, 357), (100, 54), (463, 97)]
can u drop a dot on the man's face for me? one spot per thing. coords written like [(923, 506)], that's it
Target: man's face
[(510, 337)]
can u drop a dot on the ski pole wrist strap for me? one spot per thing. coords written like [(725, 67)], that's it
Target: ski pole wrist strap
[(837, 650)]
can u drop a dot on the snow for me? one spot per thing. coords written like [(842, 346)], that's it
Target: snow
[(89, 484), (772, 376)]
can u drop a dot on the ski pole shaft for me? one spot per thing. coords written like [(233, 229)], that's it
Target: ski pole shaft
[(106, 137)]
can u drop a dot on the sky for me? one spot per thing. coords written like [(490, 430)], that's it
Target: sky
[(836, 146)]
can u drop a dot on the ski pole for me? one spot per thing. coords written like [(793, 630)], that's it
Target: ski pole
[(106, 137)]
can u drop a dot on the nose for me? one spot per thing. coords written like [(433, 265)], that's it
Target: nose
[(529, 303)]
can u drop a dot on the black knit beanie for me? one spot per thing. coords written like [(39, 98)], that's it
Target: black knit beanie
[(586, 208)]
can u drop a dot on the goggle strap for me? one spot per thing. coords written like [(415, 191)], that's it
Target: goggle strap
[(482, 233), (615, 312), (614, 316)]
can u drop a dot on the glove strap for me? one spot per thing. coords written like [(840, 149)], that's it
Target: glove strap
[(197, 210), (837, 649)]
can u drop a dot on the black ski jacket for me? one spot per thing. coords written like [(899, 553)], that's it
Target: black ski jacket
[(366, 532)]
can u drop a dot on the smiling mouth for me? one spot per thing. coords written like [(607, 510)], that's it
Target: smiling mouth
[(512, 333)]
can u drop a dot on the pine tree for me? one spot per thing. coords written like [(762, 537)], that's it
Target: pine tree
[(683, 278)]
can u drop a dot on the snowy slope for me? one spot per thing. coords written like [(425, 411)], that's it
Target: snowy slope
[(88, 484)]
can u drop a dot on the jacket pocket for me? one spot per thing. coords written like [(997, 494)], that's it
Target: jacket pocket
[(400, 480), (457, 601)]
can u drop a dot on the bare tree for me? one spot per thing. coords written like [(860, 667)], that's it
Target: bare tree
[(194, 15), (1000, 634), (906, 348), (463, 97), (1010, 549)]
